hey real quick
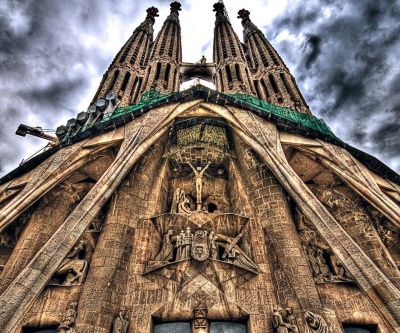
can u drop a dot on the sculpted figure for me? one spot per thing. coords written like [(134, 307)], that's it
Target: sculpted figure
[(212, 239), (68, 320), (184, 206), (166, 251), (120, 324), (203, 60), (74, 268), (277, 321), (198, 173), (186, 243), (179, 196), (178, 246), (291, 321), (315, 322)]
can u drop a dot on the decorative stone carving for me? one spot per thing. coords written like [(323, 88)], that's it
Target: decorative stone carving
[(200, 314), (201, 246), (284, 321), (325, 265), (180, 204), (198, 173), (120, 324), (68, 321), (315, 322), (72, 270)]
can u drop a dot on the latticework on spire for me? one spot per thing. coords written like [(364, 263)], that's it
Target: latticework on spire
[(125, 75), (166, 55), (232, 74), (272, 79)]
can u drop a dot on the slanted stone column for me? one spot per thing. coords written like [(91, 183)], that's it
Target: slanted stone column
[(53, 209), (295, 286), (350, 211), (105, 285)]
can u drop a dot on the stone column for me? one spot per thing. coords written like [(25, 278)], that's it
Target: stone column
[(105, 284), (51, 212), (295, 286), (350, 211)]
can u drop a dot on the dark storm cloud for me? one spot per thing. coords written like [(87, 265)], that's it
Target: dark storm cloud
[(347, 66), (45, 62)]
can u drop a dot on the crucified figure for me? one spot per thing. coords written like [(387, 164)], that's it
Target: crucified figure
[(198, 173)]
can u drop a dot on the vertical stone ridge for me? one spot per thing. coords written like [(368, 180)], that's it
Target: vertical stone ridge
[(125, 74), (271, 78), (163, 71), (232, 74)]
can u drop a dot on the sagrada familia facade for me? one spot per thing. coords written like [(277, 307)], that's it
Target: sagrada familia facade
[(230, 210)]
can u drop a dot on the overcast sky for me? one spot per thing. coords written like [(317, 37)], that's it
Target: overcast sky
[(344, 55)]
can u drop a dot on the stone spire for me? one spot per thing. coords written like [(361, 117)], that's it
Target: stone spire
[(272, 79), (232, 74), (166, 55), (125, 74)]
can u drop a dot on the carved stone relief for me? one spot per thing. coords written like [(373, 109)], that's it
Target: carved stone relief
[(325, 265), (316, 323), (120, 323), (284, 321), (201, 245), (72, 270), (68, 321)]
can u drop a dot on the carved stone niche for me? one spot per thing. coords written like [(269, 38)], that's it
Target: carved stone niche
[(325, 265), (201, 236)]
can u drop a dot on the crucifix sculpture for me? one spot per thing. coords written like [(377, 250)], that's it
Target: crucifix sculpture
[(198, 173)]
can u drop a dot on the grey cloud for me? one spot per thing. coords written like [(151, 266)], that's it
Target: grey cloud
[(347, 68)]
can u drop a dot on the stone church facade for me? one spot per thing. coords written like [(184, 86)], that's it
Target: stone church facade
[(227, 210)]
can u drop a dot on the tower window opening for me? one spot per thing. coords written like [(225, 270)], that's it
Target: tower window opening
[(158, 71), (221, 79), (167, 71), (126, 80), (114, 79), (273, 83), (143, 57), (174, 84), (136, 50), (231, 44), (228, 73), (256, 84), (164, 40), (172, 41), (253, 57), (288, 87), (224, 51), (135, 98), (238, 74), (134, 86), (265, 90)]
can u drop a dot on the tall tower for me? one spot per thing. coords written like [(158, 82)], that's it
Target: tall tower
[(231, 71), (272, 79), (125, 75), (163, 72), (200, 211)]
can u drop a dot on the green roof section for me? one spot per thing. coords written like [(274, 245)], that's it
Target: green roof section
[(148, 98), (304, 119)]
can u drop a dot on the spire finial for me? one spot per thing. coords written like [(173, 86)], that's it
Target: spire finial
[(244, 14), (152, 12), (175, 6)]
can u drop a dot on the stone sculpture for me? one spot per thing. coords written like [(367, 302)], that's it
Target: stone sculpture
[(72, 267), (68, 321), (180, 204), (120, 324), (167, 248), (284, 321), (315, 322), (201, 246), (198, 173)]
